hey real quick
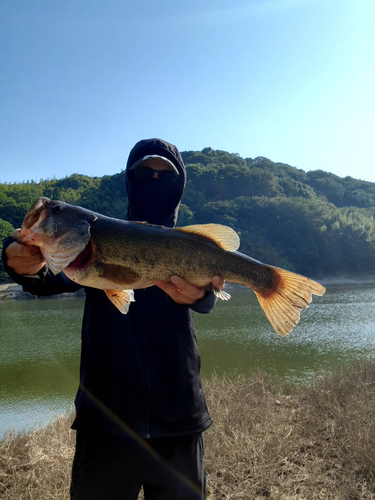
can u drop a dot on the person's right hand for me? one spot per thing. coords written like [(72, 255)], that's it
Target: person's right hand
[(24, 259)]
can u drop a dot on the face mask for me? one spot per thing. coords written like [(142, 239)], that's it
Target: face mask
[(152, 201)]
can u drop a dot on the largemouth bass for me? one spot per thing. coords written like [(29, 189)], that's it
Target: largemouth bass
[(120, 256)]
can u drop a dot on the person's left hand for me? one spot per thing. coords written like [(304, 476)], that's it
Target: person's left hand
[(183, 292)]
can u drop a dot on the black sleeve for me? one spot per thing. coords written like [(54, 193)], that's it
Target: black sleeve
[(43, 283), (206, 304)]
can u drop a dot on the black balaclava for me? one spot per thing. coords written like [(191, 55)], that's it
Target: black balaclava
[(153, 201)]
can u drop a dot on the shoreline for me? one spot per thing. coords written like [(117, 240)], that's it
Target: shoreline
[(13, 291)]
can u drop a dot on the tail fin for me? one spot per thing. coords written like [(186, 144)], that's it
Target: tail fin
[(289, 295)]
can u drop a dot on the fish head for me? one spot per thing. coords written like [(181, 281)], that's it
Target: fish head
[(61, 231)]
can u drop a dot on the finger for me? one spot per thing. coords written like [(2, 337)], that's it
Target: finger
[(166, 286), (174, 293), (29, 270), (25, 266), (19, 250), (187, 289), (30, 251), (218, 282), (24, 259), (13, 249)]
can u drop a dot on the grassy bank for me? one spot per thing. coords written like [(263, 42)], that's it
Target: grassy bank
[(268, 441)]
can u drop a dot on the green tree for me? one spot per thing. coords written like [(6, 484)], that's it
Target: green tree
[(6, 229)]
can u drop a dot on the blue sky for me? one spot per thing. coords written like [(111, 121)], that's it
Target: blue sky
[(83, 80)]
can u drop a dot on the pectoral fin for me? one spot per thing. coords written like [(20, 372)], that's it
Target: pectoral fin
[(121, 299), (119, 275)]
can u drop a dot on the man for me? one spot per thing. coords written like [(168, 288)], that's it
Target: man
[(140, 409)]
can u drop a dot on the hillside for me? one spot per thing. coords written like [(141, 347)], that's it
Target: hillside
[(314, 223)]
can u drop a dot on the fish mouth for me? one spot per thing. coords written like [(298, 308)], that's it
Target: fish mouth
[(35, 213), (83, 260), (33, 220)]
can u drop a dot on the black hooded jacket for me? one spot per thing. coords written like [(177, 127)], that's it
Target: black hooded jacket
[(140, 372)]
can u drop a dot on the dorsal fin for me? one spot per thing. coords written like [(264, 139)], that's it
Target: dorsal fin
[(223, 236)]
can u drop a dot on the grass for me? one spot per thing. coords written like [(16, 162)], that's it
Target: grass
[(268, 441)]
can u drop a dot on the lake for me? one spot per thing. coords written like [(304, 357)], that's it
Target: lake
[(40, 342)]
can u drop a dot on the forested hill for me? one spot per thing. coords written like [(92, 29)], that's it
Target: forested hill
[(315, 223)]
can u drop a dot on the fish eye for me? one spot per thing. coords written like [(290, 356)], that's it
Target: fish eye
[(56, 209)]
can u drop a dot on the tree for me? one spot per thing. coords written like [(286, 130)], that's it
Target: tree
[(6, 229)]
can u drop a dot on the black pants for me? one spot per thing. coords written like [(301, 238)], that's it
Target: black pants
[(115, 468)]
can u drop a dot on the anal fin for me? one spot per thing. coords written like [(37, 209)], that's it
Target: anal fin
[(121, 299)]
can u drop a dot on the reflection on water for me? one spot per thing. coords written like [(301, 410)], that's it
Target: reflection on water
[(336, 328), (39, 360), (39, 357)]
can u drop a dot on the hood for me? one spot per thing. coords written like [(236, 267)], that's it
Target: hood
[(154, 202)]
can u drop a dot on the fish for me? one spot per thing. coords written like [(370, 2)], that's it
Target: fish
[(120, 256)]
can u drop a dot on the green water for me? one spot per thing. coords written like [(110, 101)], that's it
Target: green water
[(40, 342)]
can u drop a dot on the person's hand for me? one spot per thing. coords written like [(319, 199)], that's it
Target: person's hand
[(183, 292), (24, 259)]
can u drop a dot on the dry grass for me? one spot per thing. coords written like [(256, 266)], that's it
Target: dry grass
[(268, 441), (37, 465), (293, 443)]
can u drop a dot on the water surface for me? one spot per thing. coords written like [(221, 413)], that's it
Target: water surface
[(40, 344)]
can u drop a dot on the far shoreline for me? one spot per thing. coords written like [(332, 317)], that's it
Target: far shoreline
[(13, 291)]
